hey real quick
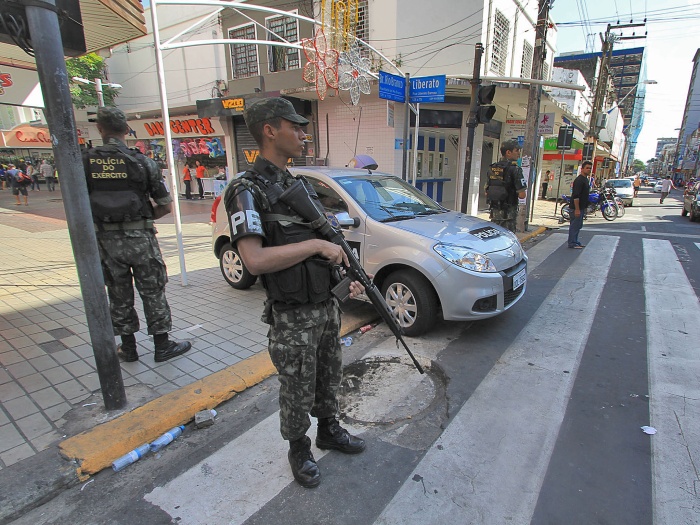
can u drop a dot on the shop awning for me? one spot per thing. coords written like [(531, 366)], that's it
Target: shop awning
[(106, 23)]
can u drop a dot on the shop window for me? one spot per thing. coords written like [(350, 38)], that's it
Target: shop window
[(282, 28), (244, 57), (499, 53), (526, 67)]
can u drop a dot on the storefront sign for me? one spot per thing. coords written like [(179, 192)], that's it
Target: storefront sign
[(516, 127), (24, 136), (20, 87), (180, 127)]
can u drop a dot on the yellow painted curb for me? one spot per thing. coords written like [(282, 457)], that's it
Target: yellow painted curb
[(95, 449), (532, 234)]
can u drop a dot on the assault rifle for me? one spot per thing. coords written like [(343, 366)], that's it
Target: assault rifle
[(298, 199)]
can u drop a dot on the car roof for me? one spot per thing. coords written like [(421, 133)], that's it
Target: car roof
[(335, 173)]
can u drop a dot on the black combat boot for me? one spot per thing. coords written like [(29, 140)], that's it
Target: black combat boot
[(303, 464), (126, 351), (167, 349), (331, 435)]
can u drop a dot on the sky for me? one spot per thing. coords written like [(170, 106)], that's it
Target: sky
[(671, 43)]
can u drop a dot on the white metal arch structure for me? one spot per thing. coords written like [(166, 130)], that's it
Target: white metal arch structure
[(172, 43)]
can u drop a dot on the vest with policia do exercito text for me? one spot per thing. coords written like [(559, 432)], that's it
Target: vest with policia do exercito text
[(307, 282), (118, 185)]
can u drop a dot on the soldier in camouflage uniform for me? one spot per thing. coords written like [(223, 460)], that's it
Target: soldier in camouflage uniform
[(506, 183), (295, 268), (122, 183)]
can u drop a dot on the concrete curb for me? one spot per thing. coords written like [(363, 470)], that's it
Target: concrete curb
[(529, 235)]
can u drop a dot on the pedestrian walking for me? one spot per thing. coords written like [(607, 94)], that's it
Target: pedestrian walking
[(666, 186), (3, 175), (187, 179), (47, 171), (296, 269), (19, 184), (33, 172), (636, 184), (506, 183), (579, 203), (123, 185), (200, 173)]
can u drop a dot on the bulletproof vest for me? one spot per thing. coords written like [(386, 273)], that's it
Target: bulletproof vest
[(118, 185), (306, 282), (498, 188)]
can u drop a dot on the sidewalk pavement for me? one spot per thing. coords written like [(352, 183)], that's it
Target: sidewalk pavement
[(54, 430)]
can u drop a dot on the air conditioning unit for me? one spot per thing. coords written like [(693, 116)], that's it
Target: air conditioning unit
[(601, 120)]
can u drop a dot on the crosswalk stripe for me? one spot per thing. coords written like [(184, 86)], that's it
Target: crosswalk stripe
[(489, 464), (697, 244), (643, 233), (234, 482), (543, 249), (674, 383)]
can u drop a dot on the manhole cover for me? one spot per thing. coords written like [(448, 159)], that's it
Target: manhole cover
[(386, 390)]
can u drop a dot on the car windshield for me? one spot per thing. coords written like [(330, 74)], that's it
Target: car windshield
[(386, 198), (619, 183)]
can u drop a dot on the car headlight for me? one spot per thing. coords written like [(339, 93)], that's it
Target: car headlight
[(465, 257)]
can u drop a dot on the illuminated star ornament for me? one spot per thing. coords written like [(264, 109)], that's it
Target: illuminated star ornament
[(321, 67), (353, 72)]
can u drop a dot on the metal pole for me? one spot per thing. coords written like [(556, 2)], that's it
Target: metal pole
[(471, 125), (407, 119), (53, 77), (100, 95), (531, 144), (414, 171), (561, 174), (172, 170)]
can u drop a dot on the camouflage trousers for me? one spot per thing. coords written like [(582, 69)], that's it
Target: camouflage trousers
[(133, 257), (304, 348), (504, 216)]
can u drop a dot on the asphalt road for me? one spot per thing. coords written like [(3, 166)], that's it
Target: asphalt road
[(531, 417)]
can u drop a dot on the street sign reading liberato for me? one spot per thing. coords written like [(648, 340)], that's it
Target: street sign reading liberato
[(428, 89)]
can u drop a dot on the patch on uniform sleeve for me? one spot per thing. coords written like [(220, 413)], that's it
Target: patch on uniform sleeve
[(254, 222), (167, 190), (333, 220)]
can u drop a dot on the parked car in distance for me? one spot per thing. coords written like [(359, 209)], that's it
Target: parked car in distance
[(623, 189), (425, 258), (691, 201), (657, 187)]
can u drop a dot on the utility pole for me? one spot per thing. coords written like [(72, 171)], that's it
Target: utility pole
[(472, 123), (531, 144), (53, 77)]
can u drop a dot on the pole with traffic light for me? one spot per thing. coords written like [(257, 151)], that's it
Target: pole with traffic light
[(481, 111)]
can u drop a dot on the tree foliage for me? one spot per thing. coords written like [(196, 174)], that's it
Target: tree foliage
[(89, 67), (638, 165)]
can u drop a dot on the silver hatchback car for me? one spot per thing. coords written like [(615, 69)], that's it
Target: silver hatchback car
[(425, 259)]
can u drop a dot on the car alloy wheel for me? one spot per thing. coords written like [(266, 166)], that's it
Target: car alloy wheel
[(232, 268), (412, 301)]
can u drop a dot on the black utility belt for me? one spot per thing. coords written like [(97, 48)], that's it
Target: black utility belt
[(145, 224)]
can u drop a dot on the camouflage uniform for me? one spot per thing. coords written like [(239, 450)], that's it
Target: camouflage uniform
[(304, 348), (133, 256), (504, 216)]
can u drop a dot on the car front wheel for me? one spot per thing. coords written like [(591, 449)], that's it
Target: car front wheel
[(233, 269), (412, 301)]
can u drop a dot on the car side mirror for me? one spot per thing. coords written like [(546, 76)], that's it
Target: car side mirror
[(346, 221)]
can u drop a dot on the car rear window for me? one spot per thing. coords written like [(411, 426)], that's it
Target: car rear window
[(619, 183)]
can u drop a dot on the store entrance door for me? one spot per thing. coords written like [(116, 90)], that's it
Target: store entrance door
[(436, 164)]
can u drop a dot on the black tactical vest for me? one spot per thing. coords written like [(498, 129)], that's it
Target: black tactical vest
[(118, 185), (306, 282), (497, 185)]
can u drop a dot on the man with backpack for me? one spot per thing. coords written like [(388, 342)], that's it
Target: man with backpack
[(506, 183), (19, 181), (123, 185)]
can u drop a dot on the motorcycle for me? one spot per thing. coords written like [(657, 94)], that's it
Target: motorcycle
[(603, 201)]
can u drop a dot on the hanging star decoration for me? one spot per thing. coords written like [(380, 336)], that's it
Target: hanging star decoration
[(353, 73), (321, 67)]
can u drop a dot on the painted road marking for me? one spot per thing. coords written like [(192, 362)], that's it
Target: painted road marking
[(489, 464), (543, 249), (674, 383)]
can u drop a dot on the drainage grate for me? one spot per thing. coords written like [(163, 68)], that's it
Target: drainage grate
[(60, 333), (52, 346)]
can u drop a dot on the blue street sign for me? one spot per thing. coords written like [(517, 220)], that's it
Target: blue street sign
[(428, 89), (392, 87)]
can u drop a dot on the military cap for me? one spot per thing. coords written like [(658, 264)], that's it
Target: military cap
[(270, 108), (113, 119)]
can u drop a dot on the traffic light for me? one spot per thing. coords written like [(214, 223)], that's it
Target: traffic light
[(485, 110)]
